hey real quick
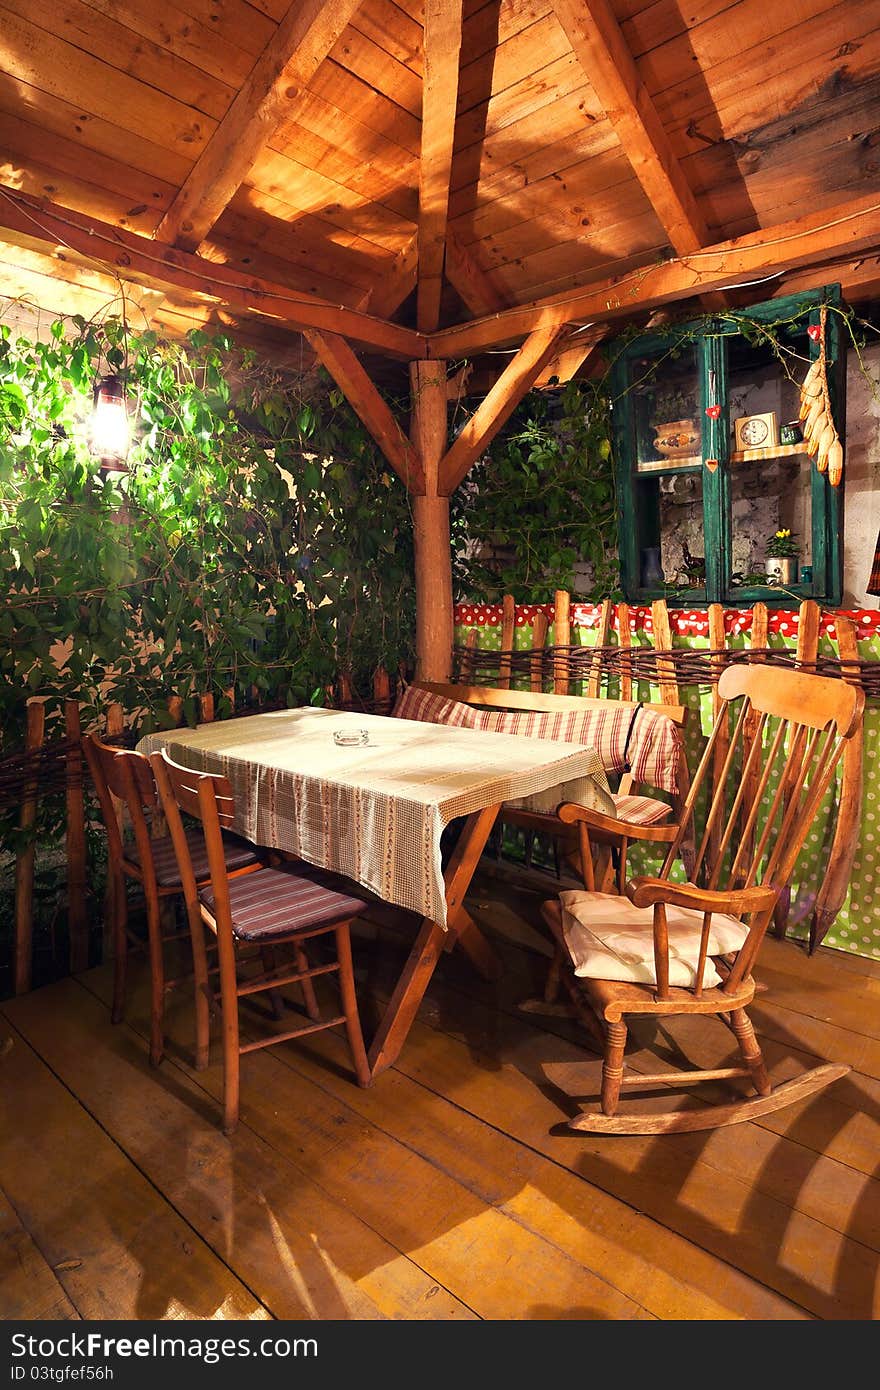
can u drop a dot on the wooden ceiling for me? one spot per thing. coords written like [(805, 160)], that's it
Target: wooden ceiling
[(430, 163)]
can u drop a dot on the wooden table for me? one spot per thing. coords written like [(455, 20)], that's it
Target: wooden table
[(375, 814)]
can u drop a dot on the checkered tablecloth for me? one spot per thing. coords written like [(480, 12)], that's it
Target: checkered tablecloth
[(376, 813)]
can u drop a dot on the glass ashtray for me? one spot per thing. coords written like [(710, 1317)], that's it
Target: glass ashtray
[(351, 738)]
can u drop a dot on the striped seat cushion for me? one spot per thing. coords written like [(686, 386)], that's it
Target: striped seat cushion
[(239, 854), (641, 810), (275, 902)]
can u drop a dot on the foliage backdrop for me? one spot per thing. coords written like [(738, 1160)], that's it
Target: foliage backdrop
[(257, 542)]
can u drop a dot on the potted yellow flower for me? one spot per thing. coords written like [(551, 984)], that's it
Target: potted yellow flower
[(782, 557)]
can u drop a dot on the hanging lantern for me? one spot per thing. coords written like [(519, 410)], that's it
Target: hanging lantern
[(110, 432)]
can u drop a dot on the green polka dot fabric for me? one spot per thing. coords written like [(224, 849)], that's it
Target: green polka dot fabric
[(856, 928)]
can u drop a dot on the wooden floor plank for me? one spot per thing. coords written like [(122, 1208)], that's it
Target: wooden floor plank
[(644, 1261), (304, 1255), (118, 1248), (29, 1289)]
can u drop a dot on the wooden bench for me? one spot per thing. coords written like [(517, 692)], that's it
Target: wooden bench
[(630, 737)]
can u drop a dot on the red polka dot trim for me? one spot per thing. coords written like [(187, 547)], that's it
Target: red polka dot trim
[(685, 622)]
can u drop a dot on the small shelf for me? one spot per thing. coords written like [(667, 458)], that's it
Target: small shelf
[(775, 451), (670, 465)]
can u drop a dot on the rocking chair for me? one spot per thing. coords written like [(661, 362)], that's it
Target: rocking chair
[(670, 948)]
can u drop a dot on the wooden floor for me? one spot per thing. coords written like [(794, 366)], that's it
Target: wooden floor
[(449, 1189)]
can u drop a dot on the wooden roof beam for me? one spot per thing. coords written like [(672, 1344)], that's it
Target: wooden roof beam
[(595, 35), (276, 84), (71, 236), (361, 394), (599, 45), (513, 383), (439, 99), (474, 287), (842, 231), (386, 296)]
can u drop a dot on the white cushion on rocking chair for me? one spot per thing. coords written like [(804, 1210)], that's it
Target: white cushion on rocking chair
[(609, 938)]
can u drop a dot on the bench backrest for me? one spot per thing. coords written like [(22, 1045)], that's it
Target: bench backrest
[(641, 742)]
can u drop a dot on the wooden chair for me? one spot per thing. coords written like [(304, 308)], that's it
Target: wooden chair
[(274, 908), (149, 860), (690, 948)]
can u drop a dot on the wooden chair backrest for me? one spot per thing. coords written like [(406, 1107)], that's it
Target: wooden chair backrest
[(127, 775), (789, 734), (208, 797)]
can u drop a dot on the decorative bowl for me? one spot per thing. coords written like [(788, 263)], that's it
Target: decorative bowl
[(677, 438)]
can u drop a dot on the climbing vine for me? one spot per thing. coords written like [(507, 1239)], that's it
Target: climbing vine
[(538, 512), (254, 541)]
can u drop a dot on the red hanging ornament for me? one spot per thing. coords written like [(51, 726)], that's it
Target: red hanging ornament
[(814, 332), (713, 412)]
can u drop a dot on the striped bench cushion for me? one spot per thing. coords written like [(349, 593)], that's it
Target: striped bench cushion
[(276, 902), (239, 854), (639, 740), (424, 705)]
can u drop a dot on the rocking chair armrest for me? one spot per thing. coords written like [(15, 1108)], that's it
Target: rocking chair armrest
[(646, 892), (570, 812)]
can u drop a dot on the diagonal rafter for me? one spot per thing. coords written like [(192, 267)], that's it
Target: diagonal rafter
[(596, 38), (277, 82), (475, 288), (439, 98), (352, 379), (496, 407)]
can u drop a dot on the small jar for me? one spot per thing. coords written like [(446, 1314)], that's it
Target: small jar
[(790, 433)]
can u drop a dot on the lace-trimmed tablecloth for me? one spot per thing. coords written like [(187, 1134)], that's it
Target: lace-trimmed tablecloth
[(376, 813)]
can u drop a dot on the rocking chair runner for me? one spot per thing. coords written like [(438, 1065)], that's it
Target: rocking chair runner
[(669, 948)]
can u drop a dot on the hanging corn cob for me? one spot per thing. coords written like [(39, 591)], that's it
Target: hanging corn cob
[(820, 433)]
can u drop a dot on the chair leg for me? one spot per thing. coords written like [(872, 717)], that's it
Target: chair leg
[(612, 1066), (231, 1054), (310, 999), (349, 1006), (750, 1050), (157, 982), (267, 956), (202, 988), (120, 949)]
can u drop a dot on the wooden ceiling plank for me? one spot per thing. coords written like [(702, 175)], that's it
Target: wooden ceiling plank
[(595, 36), (380, 113), (36, 57), (546, 86), (366, 60), (371, 409), (165, 24), (91, 135), (439, 97), (392, 29), (277, 80), (138, 259), (471, 282), (512, 61), (496, 407), (543, 143), (839, 232), (94, 36), (48, 164)]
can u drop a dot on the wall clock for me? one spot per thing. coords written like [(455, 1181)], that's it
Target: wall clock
[(756, 431)]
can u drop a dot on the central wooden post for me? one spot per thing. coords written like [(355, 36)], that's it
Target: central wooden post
[(433, 552)]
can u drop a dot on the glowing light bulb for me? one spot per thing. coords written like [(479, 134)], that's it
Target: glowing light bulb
[(110, 432)]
